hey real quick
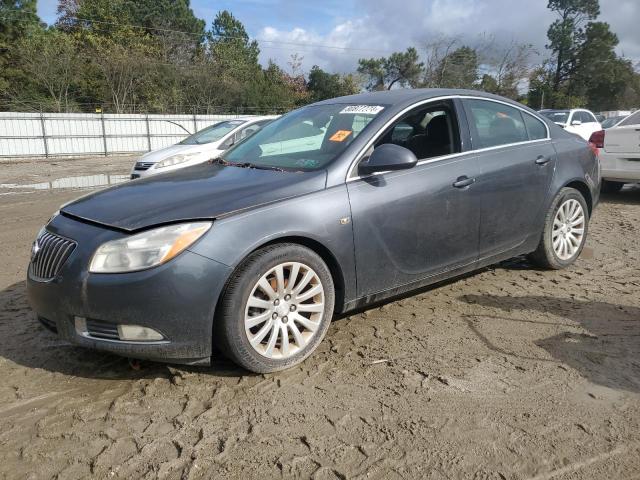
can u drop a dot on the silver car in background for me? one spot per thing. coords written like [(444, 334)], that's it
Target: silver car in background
[(619, 153), (204, 145)]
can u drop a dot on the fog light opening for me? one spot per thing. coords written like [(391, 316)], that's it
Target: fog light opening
[(137, 333)]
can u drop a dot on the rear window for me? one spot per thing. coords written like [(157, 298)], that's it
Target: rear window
[(536, 129), (496, 124), (633, 119)]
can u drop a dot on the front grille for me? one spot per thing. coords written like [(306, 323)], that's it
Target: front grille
[(143, 165), (98, 329), (51, 251)]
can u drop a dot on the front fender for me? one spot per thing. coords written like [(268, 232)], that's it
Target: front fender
[(323, 217)]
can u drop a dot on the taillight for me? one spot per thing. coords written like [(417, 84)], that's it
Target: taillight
[(597, 138), (596, 141)]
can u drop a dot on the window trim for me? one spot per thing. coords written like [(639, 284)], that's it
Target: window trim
[(397, 116)]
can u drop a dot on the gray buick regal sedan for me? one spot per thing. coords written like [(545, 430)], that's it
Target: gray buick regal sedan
[(328, 208)]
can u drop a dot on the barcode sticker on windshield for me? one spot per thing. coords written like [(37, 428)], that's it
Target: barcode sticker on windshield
[(363, 109)]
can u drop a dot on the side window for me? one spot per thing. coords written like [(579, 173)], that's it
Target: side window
[(590, 118), (634, 119), (401, 132), (583, 117), (495, 124), (537, 130), (428, 131)]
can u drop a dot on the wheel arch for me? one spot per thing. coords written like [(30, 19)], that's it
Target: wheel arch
[(584, 189), (325, 254), (317, 247)]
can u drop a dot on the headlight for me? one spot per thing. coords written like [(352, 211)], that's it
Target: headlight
[(176, 159), (147, 249)]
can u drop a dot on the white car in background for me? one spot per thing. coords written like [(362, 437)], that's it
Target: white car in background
[(579, 121), (200, 147), (619, 153)]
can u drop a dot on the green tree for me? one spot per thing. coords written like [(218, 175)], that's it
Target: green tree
[(49, 58), (458, 69), (402, 68), (601, 77), (323, 85), (374, 72), (566, 34), (18, 19), (231, 48)]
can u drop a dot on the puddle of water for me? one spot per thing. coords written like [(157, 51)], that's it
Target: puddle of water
[(84, 181)]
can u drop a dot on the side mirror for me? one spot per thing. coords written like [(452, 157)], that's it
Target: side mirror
[(576, 122), (388, 157)]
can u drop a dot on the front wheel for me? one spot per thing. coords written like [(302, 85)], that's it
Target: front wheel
[(565, 231), (276, 308)]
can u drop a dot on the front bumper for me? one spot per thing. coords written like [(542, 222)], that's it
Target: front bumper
[(177, 299)]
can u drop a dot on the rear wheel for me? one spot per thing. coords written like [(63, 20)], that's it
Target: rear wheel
[(565, 231), (611, 187), (276, 308)]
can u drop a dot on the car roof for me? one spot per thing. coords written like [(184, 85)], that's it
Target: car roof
[(401, 98), (406, 95), (402, 95)]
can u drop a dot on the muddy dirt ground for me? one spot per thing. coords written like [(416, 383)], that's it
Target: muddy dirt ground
[(509, 373)]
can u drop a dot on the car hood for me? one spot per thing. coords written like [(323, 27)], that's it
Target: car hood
[(158, 155), (204, 191)]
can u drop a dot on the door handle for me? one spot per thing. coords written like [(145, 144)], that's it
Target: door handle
[(542, 160), (464, 181)]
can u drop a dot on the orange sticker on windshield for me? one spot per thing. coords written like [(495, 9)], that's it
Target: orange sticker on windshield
[(340, 135)]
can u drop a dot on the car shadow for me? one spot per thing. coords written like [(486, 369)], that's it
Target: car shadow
[(26, 342), (607, 353), (629, 195)]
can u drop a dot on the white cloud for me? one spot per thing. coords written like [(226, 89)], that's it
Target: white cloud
[(386, 26)]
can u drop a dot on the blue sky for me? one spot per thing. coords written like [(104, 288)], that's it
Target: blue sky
[(335, 33)]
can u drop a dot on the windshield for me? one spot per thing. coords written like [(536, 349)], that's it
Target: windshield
[(610, 122), (305, 139), (558, 116), (212, 133)]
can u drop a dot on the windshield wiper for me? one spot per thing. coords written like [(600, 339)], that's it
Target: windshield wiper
[(222, 161)]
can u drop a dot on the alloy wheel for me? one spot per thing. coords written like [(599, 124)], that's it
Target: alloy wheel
[(568, 229), (284, 310)]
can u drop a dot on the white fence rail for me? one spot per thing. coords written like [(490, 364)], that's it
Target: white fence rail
[(65, 134)]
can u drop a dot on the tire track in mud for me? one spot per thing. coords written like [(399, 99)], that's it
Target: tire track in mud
[(508, 373)]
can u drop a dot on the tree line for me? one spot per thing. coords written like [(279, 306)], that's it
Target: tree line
[(157, 56)]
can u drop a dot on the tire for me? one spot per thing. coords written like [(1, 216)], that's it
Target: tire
[(611, 187), (547, 255), (276, 308)]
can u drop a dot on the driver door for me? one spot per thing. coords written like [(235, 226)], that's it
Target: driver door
[(412, 224)]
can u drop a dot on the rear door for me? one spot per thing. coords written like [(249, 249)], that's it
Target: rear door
[(625, 138), (516, 160)]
